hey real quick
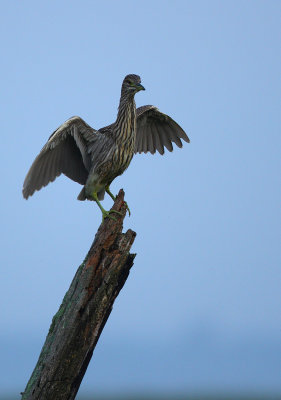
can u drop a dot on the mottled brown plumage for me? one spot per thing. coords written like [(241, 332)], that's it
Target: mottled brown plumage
[(94, 158)]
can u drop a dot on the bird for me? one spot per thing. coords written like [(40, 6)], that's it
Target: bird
[(94, 158)]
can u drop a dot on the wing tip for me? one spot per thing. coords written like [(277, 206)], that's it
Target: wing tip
[(25, 194)]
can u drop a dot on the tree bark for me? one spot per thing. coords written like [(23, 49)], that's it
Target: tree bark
[(77, 325)]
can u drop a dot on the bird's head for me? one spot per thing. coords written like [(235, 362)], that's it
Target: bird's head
[(132, 84)]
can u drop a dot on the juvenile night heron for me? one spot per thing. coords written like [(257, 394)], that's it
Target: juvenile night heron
[(94, 158)]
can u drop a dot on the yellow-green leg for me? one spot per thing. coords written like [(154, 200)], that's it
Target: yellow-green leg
[(114, 198), (109, 192), (105, 214)]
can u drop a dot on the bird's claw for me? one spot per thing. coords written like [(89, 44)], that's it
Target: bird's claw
[(106, 214), (127, 208)]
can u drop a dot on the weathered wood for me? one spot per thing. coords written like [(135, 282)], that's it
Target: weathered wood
[(77, 325)]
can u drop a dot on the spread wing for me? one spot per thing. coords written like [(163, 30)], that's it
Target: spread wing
[(66, 151), (156, 130)]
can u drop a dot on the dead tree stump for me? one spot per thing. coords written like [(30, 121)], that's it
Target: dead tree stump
[(77, 325)]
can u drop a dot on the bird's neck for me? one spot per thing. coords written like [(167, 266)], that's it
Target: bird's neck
[(126, 120)]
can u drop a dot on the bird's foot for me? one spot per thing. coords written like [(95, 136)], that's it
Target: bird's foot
[(106, 214), (127, 208), (114, 198)]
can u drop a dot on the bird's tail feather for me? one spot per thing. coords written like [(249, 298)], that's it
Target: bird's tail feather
[(82, 195), (101, 194)]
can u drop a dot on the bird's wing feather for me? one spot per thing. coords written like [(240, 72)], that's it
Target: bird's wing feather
[(156, 130), (66, 151)]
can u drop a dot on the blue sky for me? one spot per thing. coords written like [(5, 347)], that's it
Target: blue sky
[(206, 216)]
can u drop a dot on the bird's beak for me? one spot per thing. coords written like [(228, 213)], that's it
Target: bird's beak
[(139, 87)]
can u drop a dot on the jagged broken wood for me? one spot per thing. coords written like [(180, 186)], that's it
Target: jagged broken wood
[(77, 325)]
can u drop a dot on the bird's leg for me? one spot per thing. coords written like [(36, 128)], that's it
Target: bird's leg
[(114, 198), (110, 193), (105, 214)]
